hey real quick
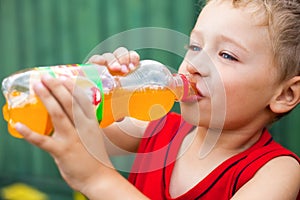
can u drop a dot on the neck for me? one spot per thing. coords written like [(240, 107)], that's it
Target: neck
[(226, 141)]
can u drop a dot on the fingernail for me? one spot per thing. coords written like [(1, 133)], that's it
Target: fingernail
[(38, 86), (124, 68), (131, 66), (115, 66), (18, 126)]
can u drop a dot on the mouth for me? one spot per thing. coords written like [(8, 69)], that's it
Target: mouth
[(195, 92)]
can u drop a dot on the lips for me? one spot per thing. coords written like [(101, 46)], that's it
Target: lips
[(197, 90), (194, 93)]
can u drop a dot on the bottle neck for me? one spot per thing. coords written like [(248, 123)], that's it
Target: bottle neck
[(184, 89)]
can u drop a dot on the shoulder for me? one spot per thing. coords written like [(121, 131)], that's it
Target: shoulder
[(283, 169), (278, 179)]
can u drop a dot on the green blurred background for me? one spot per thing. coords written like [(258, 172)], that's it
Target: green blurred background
[(50, 32)]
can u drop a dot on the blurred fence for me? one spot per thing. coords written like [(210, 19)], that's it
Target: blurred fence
[(50, 32)]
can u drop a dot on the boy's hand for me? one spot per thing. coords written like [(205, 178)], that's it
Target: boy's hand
[(77, 144), (74, 121), (120, 62)]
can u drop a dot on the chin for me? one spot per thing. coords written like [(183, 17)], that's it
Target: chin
[(190, 113), (200, 115)]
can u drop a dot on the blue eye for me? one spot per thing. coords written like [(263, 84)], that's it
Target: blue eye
[(194, 48), (227, 56)]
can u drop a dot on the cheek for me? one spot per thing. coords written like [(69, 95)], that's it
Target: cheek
[(245, 101), (211, 110), (234, 98), (197, 113), (248, 91)]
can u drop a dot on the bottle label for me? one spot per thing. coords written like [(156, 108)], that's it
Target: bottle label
[(97, 91), (86, 77)]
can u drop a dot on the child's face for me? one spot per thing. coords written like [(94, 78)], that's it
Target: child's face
[(230, 58)]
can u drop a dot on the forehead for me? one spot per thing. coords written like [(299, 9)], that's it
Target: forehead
[(249, 12), (222, 18), (256, 8)]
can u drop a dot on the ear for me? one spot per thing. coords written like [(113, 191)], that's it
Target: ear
[(287, 97)]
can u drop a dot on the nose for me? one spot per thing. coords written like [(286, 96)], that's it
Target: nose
[(191, 69), (197, 68), (199, 63)]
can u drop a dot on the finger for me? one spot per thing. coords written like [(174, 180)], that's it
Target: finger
[(85, 121), (82, 105), (112, 62), (60, 94), (97, 59), (57, 100), (122, 54), (77, 88), (134, 59), (44, 142), (68, 83)]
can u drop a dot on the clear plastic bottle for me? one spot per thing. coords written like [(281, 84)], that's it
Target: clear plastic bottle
[(147, 93)]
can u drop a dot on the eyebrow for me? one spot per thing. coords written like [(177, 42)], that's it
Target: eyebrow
[(231, 40), (223, 38)]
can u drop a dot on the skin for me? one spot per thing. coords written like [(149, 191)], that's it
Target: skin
[(229, 66)]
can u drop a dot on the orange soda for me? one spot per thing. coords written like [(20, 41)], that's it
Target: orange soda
[(148, 93)]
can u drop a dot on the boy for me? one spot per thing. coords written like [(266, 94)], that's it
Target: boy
[(244, 57)]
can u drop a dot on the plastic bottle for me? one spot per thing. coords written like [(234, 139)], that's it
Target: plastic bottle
[(146, 93)]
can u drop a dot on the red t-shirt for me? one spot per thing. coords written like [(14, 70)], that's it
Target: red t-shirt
[(152, 169)]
